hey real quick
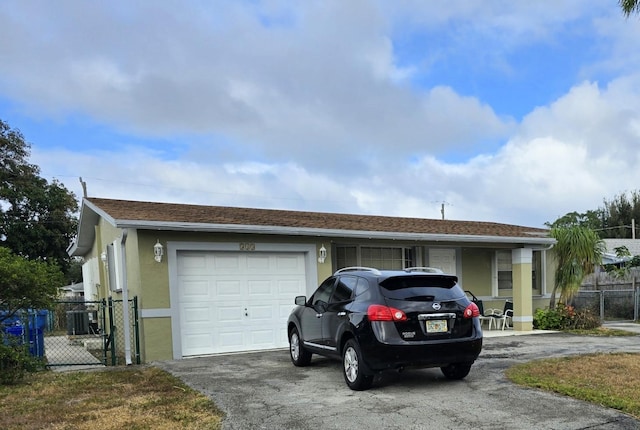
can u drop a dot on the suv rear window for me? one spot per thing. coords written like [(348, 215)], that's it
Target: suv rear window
[(418, 288)]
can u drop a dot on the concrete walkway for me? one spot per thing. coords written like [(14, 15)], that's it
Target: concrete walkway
[(64, 355), (626, 326)]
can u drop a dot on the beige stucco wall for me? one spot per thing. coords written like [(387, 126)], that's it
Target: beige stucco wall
[(156, 333), (476, 271), (105, 234)]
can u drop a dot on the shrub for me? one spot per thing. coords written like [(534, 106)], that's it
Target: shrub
[(564, 317), (15, 362)]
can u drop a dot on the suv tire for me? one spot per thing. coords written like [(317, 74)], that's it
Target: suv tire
[(456, 370), (299, 356), (353, 367)]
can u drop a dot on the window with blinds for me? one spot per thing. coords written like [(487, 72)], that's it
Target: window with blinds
[(384, 258)]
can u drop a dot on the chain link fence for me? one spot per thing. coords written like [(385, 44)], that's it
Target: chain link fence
[(76, 333), (611, 305)]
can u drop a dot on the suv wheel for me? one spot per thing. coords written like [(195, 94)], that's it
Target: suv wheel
[(352, 366), (299, 355), (456, 370)]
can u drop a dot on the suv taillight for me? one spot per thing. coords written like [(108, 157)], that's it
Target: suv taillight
[(385, 313), (471, 311)]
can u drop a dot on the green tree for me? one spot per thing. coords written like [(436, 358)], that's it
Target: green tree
[(578, 251), (26, 284), (593, 219), (37, 218), (629, 6), (614, 219), (619, 213)]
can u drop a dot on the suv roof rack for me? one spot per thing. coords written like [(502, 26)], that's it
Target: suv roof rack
[(358, 269), (423, 269)]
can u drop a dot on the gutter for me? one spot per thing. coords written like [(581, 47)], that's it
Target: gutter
[(125, 300)]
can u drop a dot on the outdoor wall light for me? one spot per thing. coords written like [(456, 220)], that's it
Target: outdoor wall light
[(103, 257), (322, 254), (158, 251)]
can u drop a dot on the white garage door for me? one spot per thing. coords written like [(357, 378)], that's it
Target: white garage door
[(233, 301)]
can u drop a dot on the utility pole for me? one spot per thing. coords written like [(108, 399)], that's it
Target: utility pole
[(84, 187), (442, 208)]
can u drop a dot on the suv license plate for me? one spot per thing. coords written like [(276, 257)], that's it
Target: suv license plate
[(436, 326)]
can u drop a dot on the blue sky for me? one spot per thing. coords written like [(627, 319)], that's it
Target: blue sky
[(514, 112)]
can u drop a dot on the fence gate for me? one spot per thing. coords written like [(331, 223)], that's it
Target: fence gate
[(79, 333)]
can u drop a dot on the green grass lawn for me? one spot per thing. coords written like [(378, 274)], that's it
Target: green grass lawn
[(137, 397)]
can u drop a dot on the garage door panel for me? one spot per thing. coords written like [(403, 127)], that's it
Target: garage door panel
[(194, 289), (260, 287), (289, 287), (230, 342), (227, 289), (229, 314), (225, 261), (261, 312), (194, 314), (192, 263), (198, 343), (290, 264), (263, 338), (260, 263), (284, 309), (243, 299)]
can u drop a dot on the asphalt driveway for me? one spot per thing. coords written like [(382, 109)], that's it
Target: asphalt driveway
[(265, 391)]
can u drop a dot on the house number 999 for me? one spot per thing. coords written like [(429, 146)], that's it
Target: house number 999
[(247, 246)]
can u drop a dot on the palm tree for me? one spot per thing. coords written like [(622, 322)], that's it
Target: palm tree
[(629, 6), (578, 251)]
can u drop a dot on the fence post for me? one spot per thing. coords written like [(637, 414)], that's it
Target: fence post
[(636, 303), (601, 307), (136, 328), (103, 307), (112, 333)]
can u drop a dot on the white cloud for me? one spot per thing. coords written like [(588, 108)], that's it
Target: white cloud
[(309, 106)]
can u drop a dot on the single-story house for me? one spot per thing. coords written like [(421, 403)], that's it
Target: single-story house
[(72, 291), (212, 279)]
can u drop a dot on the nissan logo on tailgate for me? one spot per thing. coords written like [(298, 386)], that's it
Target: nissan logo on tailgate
[(436, 306)]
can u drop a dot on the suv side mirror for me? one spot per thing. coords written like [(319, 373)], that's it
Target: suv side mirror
[(301, 300)]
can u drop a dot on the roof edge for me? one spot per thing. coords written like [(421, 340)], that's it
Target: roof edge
[(305, 231)]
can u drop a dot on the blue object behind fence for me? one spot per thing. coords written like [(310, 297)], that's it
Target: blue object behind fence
[(15, 333)]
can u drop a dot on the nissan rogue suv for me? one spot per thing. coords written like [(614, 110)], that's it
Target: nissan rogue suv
[(374, 320)]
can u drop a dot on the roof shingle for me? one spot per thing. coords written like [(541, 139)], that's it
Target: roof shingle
[(220, 215)]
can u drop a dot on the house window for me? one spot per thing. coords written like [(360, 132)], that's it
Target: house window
[(380, 257), (443, 259), (346, 256), (537, 273), (505, 270)]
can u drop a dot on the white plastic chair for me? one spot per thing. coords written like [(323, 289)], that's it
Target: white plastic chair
[(501, 318)]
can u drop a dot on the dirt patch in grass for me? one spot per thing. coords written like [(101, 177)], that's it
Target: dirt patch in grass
[(602, 331), (115, 398), (611, 380)]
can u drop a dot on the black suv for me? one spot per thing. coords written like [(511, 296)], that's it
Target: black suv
[(375, 320)]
